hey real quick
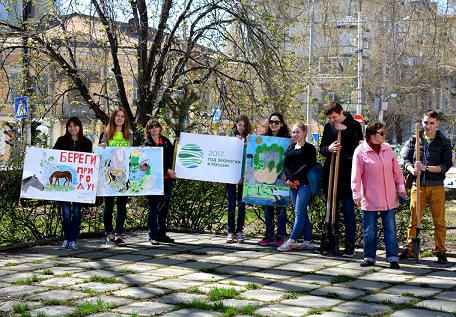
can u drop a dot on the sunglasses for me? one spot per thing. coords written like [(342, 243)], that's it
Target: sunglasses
[(274, 122), (154, 126), (382, 133)]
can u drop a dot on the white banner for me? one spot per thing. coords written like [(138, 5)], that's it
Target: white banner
[(130, 171), (209, 158), (60, 175)]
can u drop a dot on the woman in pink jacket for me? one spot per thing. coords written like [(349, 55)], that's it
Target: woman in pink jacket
[(377, 181)]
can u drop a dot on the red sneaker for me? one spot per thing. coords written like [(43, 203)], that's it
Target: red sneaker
[(278, 241), (266, 240)]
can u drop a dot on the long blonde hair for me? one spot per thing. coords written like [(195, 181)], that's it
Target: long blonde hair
[(111, 128)]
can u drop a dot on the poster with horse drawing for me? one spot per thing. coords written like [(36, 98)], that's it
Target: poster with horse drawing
[(60, 175), (130, 171)]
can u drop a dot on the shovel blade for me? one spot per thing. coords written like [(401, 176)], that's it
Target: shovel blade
[(416, 246)]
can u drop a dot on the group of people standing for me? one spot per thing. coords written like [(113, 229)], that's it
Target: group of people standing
[(118, 133), (369, 176)]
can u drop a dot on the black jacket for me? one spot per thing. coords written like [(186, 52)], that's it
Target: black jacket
[(297, 163), (437, 153), (66, 145), (168, 152), (350, 140)]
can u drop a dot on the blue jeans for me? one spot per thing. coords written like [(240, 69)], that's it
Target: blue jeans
[(281, 220), (121, 214), (71, 215), (157, 212), (348, 210), (235, 199), (301, 198), (370, 234)]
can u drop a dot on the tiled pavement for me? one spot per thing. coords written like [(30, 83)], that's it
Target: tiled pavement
[(148, 280)]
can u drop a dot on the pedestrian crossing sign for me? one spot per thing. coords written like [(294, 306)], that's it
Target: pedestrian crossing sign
[(21, 107)]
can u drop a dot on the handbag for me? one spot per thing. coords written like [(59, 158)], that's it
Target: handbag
[(408, 181), (315, 178)]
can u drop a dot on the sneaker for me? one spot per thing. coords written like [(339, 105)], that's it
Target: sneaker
[(64, 245), (229, 238), (110, 242), (240, 238), (278, 241), (306, 245), (119, 241), (367, 263), (287, 246), (73, 246), (349, 251), (154, 242), (394, 265), (165, 239), (266, 240), (406, 254), (441, 258)]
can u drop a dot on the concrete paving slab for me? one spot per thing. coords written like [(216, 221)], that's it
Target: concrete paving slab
[(244, 280), (443, 274), (447, 296), (190, 312), (144, 308), (140, 292), (282, 311), (322, 261), (19, 290), (291, 286), (335, 271), (176, 284), (275, 274), (61, 281), (434, 282), (8, 306), (129, 258), (316, 279), (439, 304), (14, 277), (98, 287), (237, 270), (109, 300), (58, 295), (137, 279), (98, 272), (133, 267), (417, 291), (284, 257), (259, 263), (170, 272), (312, 302), (389, 298), (62, 270), (419, 313), (223, 259), (222, 284), (51, 311), (192, 265), (365, 285), (163, 261), (299, 267), (343, 292), (213, 250), (205, 277), (381, 277), (94, 264), (176, 298), (263, 295), (251, 254), (361, 308), (240, 303)]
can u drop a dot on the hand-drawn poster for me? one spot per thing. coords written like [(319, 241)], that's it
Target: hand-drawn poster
[(210, 158), (264, 180), (130, 171), (60, 175)]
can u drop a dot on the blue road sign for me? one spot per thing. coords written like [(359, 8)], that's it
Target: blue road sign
[(21, 110), (216, 114)]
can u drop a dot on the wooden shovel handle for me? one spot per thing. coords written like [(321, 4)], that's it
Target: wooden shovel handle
[(418, 177), (336, 178)]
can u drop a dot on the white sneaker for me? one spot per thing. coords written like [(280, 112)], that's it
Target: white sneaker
[(288, 246), (229, 238), (240, 238), (306, 245), (64, 245)]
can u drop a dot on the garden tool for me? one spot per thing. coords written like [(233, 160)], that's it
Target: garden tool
[(416, 242)]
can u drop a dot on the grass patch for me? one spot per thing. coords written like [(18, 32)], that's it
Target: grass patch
[(408, 294), (194, 290), (41, 314), (342, 278), (87, 260), (425, 285), (373, 291), (192, 260), (252, 285), (90, 291), (89, 308), (61, 264), (66, 274), (47, 272), (427, 254), (333, 296), (319, 311), (218, 306), (267, 251), (27, 314), (20, 308), (212, 270), (11, 264), (102, 279), (221, 293), (27, 281), (290, 296), (411, 304), (55, 302), (127, 271), (37, 261), (231, 283)]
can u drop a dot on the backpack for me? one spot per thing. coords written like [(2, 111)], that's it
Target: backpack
[(315, 177)]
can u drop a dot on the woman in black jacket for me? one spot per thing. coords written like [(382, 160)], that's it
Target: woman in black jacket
[(73, 140), (158, 205)]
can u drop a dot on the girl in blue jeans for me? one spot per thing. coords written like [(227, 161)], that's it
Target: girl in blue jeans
[(241, 129), (300, 157), (73, 140)]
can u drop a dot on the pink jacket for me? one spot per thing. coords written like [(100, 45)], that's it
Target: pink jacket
[(376, 178)]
